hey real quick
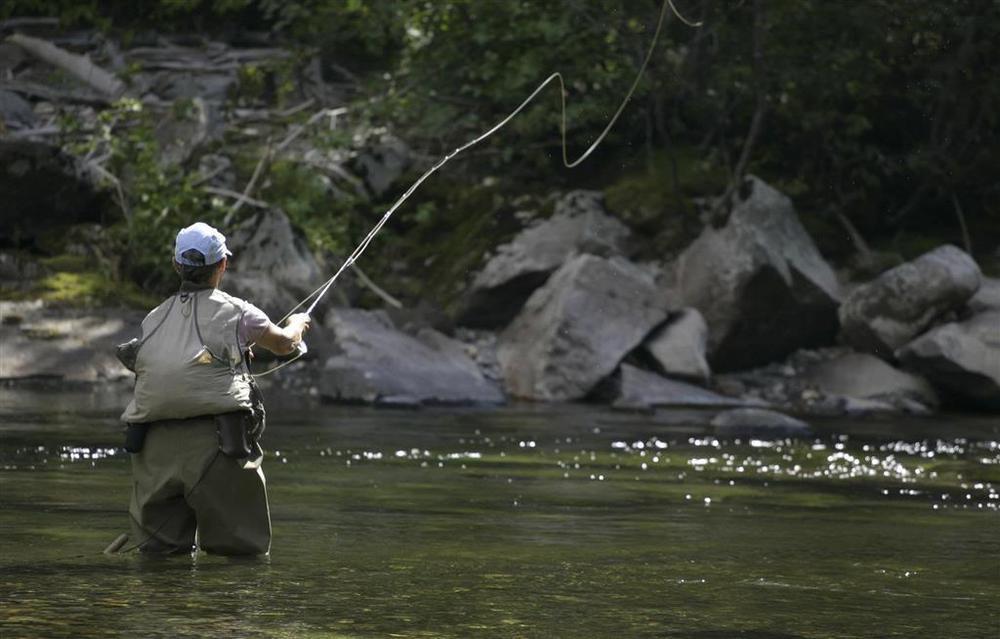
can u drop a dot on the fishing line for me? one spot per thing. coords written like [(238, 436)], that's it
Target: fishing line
[(323, 288)]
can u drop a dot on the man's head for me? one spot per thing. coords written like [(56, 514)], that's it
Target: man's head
[(200, 254)]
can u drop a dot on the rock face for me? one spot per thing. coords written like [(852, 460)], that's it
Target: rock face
[(15, 112), (962, 359), (760, 282), (633, 388), (574, 330), (678, 347), (383, 163), (272, 265), (895, 307), (987, 298), (45, 343), (757, 422), (578, 225), (43, 190), (375, 363), (864, 376)]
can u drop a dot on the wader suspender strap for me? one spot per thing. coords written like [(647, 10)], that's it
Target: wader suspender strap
[(197, 330), (162, 320)]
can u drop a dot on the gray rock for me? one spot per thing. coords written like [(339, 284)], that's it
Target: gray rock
[(40, 342), (375, 363), (15, 111), (578, 225), (987, 298), (633, 388), (574, 330), (962, 359), (383, 162), (863, 376), (895, 307), (757, 422), (272, 265), (678, 347), (184, 128), (211, 87), (760, 282)]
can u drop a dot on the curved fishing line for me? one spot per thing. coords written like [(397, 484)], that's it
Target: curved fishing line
[(323, 288)]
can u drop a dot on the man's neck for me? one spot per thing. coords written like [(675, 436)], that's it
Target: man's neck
[(191, 287)]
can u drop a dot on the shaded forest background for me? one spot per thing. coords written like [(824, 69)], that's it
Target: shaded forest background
[(879, 118)]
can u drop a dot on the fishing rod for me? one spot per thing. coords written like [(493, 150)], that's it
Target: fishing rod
[(320, 291)]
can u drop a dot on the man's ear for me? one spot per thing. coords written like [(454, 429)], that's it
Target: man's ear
[(177, 267)]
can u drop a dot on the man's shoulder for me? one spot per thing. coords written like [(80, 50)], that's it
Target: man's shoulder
[(245, 306)]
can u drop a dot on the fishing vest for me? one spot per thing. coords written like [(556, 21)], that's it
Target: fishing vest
[(189, 361)]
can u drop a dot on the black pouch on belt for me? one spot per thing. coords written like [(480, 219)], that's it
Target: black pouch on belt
[(234, 428), (135, 437)]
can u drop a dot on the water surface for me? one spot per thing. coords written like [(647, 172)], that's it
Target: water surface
[(531, 521)]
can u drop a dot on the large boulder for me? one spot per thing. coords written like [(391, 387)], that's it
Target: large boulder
[(578, 225), (760, 282), (678, 347), (962, 359), (374, 362), (574, 330), (864, 376), (903, 302), (634, 388), (272, 265), (48, 343)]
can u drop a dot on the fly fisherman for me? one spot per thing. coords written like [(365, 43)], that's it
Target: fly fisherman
[(196, 414)]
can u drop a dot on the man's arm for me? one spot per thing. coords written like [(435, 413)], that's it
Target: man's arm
[(284, 340)]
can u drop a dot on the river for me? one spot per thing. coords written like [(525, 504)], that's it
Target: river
[(525, 521)]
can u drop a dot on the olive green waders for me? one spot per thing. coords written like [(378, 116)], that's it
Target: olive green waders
[(183, 485)]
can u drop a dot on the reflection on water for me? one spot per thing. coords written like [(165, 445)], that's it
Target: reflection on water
[(526, 521)]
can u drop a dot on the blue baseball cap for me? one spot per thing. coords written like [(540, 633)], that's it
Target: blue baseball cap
[(203, 238)]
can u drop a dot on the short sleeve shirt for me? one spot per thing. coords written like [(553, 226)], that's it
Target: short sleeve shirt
[(252, 325)]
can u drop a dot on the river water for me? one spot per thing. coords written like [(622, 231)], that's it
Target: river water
[(526, 521)]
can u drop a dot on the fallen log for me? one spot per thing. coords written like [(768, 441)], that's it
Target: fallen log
[(78, 66)]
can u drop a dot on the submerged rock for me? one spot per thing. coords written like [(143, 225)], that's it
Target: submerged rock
[(962, 359), (678, 347), (895, 307), (634, 388), (375, 363), (758, 422), (863, 376), (272, 265), (574, 330), (579, 225), (760, 282)]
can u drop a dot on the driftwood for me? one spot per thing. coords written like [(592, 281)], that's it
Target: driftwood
[(35, 90), (78, 66), (218, 190)]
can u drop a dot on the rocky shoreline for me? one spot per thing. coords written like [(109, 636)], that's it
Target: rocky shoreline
[(748, 318)]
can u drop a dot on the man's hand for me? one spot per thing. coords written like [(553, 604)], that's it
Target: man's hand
[(284, 340)]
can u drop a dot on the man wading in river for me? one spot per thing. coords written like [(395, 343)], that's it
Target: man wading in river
[(193, 423)]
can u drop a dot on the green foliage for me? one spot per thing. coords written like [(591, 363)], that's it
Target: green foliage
[(305, 196), (157, 200)]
